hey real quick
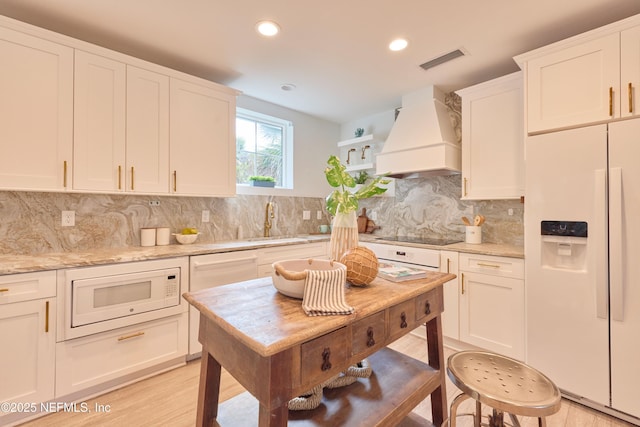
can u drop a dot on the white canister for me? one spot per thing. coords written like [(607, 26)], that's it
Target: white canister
[(163, 235), (473, 234), (147, 237)]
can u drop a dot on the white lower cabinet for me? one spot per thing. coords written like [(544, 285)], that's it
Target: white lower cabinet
[(27, 340), (492, 303), (97, 359), (451, 313)]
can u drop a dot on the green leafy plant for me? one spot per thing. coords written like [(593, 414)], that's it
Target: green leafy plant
[(341, 200), (262, 178), (361, 177)]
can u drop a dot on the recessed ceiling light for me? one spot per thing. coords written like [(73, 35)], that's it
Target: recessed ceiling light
[(288, 87), (268, 28), (398, 44)]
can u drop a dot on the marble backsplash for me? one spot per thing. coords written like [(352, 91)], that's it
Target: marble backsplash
[(31, 221)]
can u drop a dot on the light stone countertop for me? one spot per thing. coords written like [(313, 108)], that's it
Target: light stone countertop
[(12, 264)]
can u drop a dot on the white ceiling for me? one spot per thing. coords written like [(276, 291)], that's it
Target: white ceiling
[(335, 52)]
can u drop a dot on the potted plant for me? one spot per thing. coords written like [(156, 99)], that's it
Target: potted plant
[(342, 203), (262, 181)]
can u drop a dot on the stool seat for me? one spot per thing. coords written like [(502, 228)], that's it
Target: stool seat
[(503, 383)]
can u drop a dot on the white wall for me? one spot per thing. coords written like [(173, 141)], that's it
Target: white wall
[(314, 141), (377, 124)]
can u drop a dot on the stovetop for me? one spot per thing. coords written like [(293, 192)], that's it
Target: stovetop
[(436, 241)]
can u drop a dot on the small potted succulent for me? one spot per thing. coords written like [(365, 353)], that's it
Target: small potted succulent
[(262, 181)]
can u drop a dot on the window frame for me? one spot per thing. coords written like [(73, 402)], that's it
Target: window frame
[(287, 143)]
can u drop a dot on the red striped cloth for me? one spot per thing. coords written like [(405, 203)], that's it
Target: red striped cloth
[(324, 293)]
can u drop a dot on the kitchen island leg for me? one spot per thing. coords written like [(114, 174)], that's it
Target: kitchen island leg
[(209, 390), (435, 352)]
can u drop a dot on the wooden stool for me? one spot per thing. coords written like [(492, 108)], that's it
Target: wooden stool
[(505, 384)]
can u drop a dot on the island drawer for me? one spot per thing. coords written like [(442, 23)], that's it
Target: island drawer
[(368, 334), (429, 305), (401, 318), (322, 357)]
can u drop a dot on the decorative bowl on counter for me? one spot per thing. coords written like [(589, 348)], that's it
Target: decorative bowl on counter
[(186, 239), (289, 276)]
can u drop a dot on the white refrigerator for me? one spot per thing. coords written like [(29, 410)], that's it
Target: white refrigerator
[(582, 263)]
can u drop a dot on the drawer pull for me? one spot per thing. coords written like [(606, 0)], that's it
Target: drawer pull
[(403, 320), (482, 264), (427, 308), (630, 98), (326, 363), (370, 341), (4, 290), (611, 101), (127, 337)]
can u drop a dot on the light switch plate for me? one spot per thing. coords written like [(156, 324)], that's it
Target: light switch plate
[(206, 216), (318, 214), (306, 215)]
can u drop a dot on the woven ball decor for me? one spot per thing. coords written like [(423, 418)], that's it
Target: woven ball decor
[(362, 265)]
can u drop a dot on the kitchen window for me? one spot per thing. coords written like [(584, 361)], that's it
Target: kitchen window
[(264, 147)]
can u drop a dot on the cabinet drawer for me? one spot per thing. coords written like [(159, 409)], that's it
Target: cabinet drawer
[(96, 359), (268, 256), (324, 356), (494, 265), (429, 305), (402, 319), (368, 334), (27, 286)]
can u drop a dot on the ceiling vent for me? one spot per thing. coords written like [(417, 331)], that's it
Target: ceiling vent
[(442, 59)]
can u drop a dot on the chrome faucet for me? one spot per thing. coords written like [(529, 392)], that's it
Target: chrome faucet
[(268, 216)]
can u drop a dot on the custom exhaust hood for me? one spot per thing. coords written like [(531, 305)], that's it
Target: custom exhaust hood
[(422, 142)]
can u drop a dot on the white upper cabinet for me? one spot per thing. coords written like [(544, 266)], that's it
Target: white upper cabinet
[(121, 127), (37, 113), (586, 79), (82, 118), (99, 123), (492, 139), (147, 153), (575, 85), (202, 129), (629, 71)]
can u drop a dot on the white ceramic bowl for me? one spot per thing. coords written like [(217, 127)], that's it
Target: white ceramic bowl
[(294, 287), (186, 239)]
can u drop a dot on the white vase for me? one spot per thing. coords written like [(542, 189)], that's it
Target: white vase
[(344, 234)]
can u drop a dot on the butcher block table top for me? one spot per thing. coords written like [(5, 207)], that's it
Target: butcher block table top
[(266, 341)]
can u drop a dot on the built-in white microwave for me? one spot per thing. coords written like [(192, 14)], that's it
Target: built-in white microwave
[(103, 298)]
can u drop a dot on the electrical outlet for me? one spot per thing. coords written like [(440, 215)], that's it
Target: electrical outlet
[(318, 214), (205, 216), (68, 218), (306, 215), (510, 211), (373, 215)]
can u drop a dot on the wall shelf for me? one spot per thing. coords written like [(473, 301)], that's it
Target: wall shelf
[(354, 141)]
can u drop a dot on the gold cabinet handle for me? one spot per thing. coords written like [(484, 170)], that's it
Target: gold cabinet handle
[(465, 187), (175, 181), (128, 337), (448, 265), (132, 177), (462, 281), (46, 317), (611, 101), (4, 290), (119, 177), (482, 264), (64, 174), (630, 91)]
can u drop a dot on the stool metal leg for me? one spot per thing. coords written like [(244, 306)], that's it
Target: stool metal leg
[(453, 410), (478, 418), (514, 420), (542, 422)]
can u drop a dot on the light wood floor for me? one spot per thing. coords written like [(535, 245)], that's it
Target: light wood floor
[(169, 399)]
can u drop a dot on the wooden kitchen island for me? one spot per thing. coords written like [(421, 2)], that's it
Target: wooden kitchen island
[(277, 352)]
